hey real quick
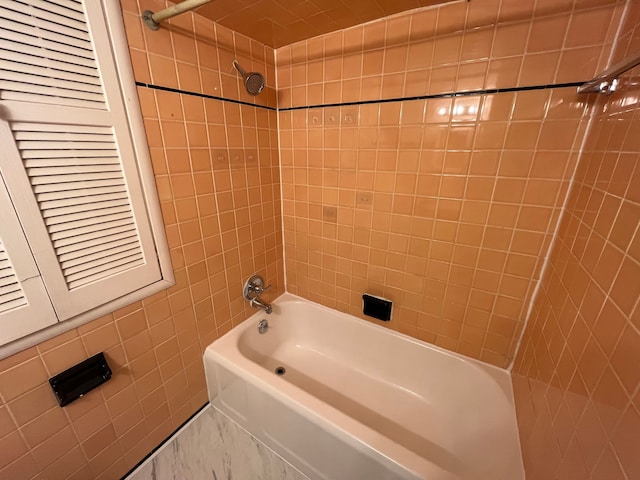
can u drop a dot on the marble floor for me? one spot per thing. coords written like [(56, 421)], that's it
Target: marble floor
[(211, 446)]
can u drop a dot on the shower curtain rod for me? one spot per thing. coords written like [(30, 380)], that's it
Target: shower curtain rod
[(152, 20), (607, 81)]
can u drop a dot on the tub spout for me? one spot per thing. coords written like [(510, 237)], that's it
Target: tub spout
[(260, 304)]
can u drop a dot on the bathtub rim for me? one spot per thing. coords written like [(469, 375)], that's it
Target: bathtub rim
[(286, 297)]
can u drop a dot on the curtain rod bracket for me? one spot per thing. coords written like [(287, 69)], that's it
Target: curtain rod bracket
[(152, 20), (147, 18), (607, 82), (609, 87)]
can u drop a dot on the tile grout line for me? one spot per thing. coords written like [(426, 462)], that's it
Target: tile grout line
[(281, 192)]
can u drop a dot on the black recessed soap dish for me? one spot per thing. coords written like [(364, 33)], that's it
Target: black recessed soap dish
[(80, 379), (377, 307)]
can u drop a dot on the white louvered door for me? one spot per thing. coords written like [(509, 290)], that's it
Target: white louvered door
[(24, 303), (67, 154)]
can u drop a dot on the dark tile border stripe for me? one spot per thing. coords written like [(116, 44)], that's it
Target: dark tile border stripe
[(470, 93), (161, 444), (202, 95)]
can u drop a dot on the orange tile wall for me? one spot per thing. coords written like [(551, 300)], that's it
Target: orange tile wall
[(577, 375), (484, 185), (216, 166), (446, 206)]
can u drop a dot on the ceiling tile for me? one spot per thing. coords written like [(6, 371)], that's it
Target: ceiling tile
[(277, 23)]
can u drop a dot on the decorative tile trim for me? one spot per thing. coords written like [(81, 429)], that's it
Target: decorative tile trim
[(488, 91), (201, 95)]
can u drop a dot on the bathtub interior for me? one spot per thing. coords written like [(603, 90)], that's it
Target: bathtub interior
[(406, 405)]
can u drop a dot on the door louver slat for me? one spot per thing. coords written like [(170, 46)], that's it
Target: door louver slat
[(72, 169), (79, 202), (69, 145), (77, 162), (6, 273), (96, 249), (87, 240), (64, 214), (10, 305), (48, 24), (44, 51), (24, 130), (105, 270), (98, 261), (81, 192), (78, 186), (47, 44), (42, 154), (40, 136), (23, 54), (4, 281), (10, 292), (6, 277), (74, 5), (94, 212), (39, 86), (47, 99), (66, 9), (48, 10), (91, 229), (37, 74), (93, 222), (39, 78), (113, 270), (79, 179)]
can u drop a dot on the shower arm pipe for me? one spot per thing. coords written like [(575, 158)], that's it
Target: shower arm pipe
[(607, 81), (152, 20)]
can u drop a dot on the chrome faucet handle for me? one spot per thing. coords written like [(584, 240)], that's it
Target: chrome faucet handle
[(262, 289), (254, 287), (258, 289)]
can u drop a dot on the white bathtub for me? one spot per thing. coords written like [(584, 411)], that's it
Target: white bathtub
[(359, 401)]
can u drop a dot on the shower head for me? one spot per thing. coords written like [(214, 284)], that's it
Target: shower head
[(253, 81)]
